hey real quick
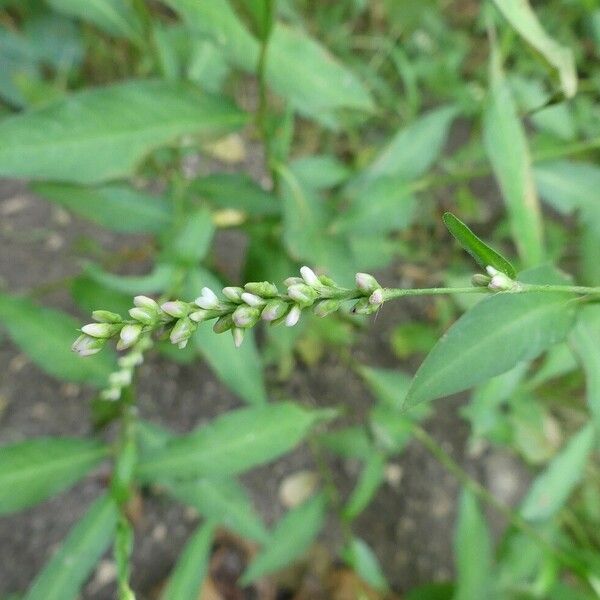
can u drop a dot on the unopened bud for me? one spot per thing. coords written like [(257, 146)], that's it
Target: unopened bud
[(101, 330), (182, 330), (133, 359), (176, 308), (293, 316), (274, 309), (253, 299), (105, 316), (143, 315), (366, 283), (120, 378), (327, 281), (238, 336), (245, 316), (365, 307), (265, 289), (233, 294), (145, 302), (501, 283), (480, 280), (200, 315), (112, 394), (86, 345), (292, 281), (129, 335), (326, 307), (302, 294), (376, 297), (223, 324), (207, 299), (310, 277)]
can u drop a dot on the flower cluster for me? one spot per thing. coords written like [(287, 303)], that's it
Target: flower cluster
[(238, 309)]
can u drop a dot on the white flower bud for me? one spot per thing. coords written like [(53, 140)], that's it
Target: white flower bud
[(129, 335), (133, 359), (238, 336), (207, 300), (275, 309), (245, 316), (120, 378), (200, 315), (326, 307), (112, 394), (183, 343), (491, 271), (100, 330), (293, 316), (293, 281), (302, 293), (253, 299), (181, 331), (366, 282), (105, 316), (176, 308), (145, 302), (234, 294), (143, 315), (376, 297), (501, 283), (310, 277), (86, 345)]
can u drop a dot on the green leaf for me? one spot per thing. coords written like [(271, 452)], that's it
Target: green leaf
[(89, 295), (34, 470), (550, 490), (238, 368), (237, 191), (72, 563), (123, 547), (46, 335), (522, 17), (389, 385), (190, 243), (492, 337), (233, 443), (191, 568), (116, 207), (320, 171), (584, 338), (156, 281), (115, 17), (292, 536), (479, 250), (224, 501), (104, 133), (473, 551), (298, 68), (363, 560), (413, 150), (371, 478), (349, 442), (506, 146)]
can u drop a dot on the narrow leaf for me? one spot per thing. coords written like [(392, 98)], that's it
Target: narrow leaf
[(473, 551), (187, 576), (156, 281), (506, 146), (117, 207), (34, 470), (292, 536), (363, 560), (233, 443), (492, 337), (46, 335), (104, 133), (371, 478), (522, 17), (479, 250), (67, 570), (224, 501), (552, 488)]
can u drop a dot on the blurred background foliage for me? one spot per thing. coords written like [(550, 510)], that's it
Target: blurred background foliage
[(332, 134)]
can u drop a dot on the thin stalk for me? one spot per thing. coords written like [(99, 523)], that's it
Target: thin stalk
[(486, 496)]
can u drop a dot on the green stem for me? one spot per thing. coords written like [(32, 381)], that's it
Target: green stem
[(391, 293), (486, 496)]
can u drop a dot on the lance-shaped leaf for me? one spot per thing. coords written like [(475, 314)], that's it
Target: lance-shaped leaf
[(116, 207), (292, 536), (521, 16), (553, 487), (233, 443), (479, 250), (492, 337), (34, 470), (46, 336), (69, 567), (506, 146), (104, 133), (187, 576), (473, 550), (363, 560)]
